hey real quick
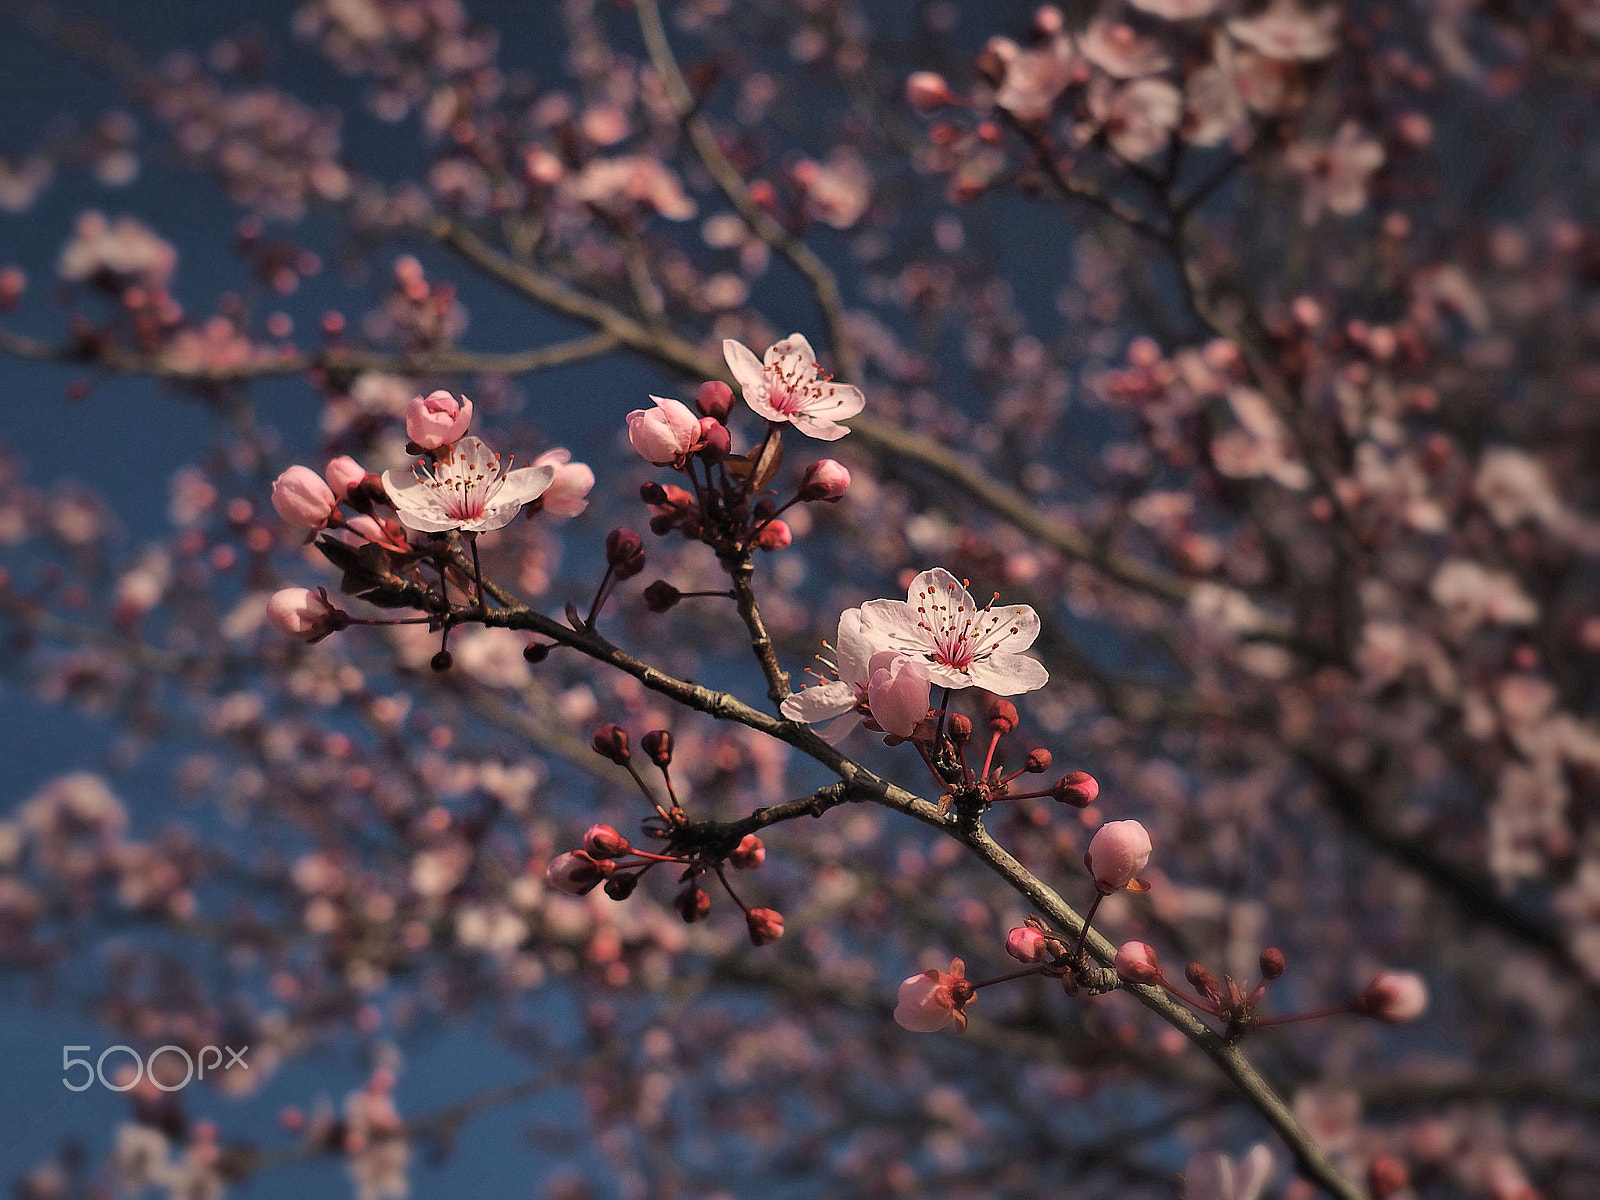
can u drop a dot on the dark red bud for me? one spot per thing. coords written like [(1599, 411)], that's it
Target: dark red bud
[(611, 741), (693, 903), (1272, 963), (537, 652), (624, 553), (660, 596), (441, 661), (765, 925), (718, 445), (1387, 1175), (658, 745), (1078, 789), (959, 728), (1038, 762), (749, 853), (652, 493), (620, 887), (1202, 980), (775, 535), (603, 841)]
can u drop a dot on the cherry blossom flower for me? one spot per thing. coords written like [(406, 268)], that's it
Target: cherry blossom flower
[(930, 1001), (1177, 10), (1213, 1176), (1026, 944), (789, 386), (568, 493), (343, 474), (1120, 52), (825, 480), (1137, 963), (842, 696), (302, 498), (1335, 173), (1117, 853), (304, 614), (1285, 31), (627, 180), (837, 192), (464, 489), (963, 645), (1137, 118), (1033, 78), (437, 419), (664, 435)]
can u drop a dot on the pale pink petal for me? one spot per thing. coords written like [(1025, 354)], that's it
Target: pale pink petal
[(819, 703), (1009, 674)]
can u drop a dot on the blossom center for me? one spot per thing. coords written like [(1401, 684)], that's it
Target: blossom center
[(960, 634)]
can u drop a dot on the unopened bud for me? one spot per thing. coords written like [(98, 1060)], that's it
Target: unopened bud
[(611, 741), (775, 535), (658, 745), (1038, 762), (1137, 962), (693, 903), (537, 652), (1203, 980), (714, 399), (959, 729), (717, 443), (603, 841), (1078, 789), (620, 887), (624, 553), (1026, 944), (765, 925), (441, 661), (577, 872), (1002, 716), (652, 493), (1387, 1175), (926, 91), (1272, 963), (660, 596), (825, 480), (748, 854)]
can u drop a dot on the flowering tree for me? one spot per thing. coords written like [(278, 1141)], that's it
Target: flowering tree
[(1249, 591)]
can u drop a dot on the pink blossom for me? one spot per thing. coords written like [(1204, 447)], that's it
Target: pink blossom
[(962, 644), (930, 1001), (837, 192), (665, 435), (344, 474), (825, 480), (1177, 10), (437, 419), (844, 696), (628, 180), (1287, 32), (1118, 851), (788, 386), (1335, 173), (1120, 52), (926, 91), (765, 925), (1396, 996), (302, 498), (304, 614), (897, 692), (1212, 1176), (1026, 944), (568, 493), (1138, 118), (1033, 78), (464, 489), (1137, 963)]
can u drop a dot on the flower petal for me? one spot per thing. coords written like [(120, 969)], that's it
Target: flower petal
[(1009, 674), (854, 650), (813, 704), (746, 367), (522, 485), (793, 346)]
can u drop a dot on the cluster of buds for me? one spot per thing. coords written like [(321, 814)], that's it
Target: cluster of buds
[(609, 859), (381, 530), (1393, 996)]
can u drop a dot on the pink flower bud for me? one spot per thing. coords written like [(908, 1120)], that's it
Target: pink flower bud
[(1137, 962), (657, 745), (1026, 944), (1038, 761), (1118, 851), (775, 536), (577, 873), (926, 91), (1395, 996), (603, 841), (716, 444), (824, 480), (437, 419), (930, 1001), (344, 474), (304, 614), (568, 493), (664, 435), (1273, 964), (714, 399), (302, 498), (748, 854), (1078, 788), (765, 925), (897, 692), (1002, 716)]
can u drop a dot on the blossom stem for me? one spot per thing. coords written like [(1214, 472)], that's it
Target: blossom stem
[(1023, 974), (648, 794), (944, 709), (1335, 1010), (1088, 919), (477, 574), (602, 593), (729, 888), (989, 757)]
